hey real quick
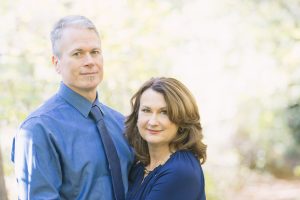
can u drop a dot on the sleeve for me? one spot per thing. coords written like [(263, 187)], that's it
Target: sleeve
[(37, 166), (177, 184)]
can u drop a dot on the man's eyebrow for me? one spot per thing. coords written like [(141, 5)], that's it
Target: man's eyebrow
[(96, 48), (78, 49)]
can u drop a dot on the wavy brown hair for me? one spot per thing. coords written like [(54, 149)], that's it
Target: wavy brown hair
[(182, 110)]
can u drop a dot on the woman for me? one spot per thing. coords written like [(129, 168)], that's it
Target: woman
[(165, 132)]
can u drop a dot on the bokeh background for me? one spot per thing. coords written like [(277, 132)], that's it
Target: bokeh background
[(239, 58)]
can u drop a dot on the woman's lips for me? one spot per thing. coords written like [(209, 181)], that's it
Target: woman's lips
[(153, 132)]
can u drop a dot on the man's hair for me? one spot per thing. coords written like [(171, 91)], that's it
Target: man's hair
[(65, 22)]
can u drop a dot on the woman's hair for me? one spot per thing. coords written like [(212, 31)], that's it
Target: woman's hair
[(182, 110)]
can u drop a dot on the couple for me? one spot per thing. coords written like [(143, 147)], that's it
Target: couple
[(74, 147)]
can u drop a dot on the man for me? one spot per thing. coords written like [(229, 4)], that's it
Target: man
[(59, 152)]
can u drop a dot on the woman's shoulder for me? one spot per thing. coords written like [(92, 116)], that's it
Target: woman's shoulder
[(183, 167), (183, 162), (184, 157)]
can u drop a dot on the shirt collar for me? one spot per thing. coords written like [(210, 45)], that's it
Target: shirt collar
[(97, 103), (76, 100)]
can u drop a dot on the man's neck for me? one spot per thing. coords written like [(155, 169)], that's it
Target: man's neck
[(90, 95)]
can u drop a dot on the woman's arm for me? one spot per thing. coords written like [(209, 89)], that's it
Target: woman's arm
[(178, 184)]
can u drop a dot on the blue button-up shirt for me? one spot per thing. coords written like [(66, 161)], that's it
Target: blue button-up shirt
[(58, 153)]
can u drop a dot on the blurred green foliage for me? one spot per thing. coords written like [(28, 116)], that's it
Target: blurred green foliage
[(211, 188), (268, 132), (293, 121)]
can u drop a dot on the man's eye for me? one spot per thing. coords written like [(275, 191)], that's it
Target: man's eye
[(96, 52), (77, 54)]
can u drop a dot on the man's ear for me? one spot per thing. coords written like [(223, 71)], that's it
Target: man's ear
[(55, 62)]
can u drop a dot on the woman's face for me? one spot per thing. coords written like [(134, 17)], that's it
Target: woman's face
[(153, 122)]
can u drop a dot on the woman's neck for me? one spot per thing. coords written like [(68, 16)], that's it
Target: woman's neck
[(158, 156)]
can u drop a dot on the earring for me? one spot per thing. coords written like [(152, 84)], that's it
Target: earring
[(180, 130)]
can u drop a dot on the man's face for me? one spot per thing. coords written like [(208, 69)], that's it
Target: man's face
[(80, 63)]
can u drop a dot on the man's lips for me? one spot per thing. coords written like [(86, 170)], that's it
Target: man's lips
[(88, 73)]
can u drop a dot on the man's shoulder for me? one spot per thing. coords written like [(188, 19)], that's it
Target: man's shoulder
[(47, 108), (112, 112)]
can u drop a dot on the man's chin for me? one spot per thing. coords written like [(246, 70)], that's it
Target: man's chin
[(91, 84)]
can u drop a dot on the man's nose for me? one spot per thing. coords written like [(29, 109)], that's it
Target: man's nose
[(88, 59)]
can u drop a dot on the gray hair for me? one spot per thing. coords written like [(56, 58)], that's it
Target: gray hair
[(65, 22)]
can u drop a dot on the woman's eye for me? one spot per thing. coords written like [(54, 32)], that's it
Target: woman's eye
[(145, 110), (164, 112)]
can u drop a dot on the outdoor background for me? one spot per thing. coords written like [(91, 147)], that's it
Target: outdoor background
[(239, 58)]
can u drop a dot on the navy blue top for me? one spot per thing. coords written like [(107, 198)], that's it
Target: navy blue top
[(58, 153), (180, 178)]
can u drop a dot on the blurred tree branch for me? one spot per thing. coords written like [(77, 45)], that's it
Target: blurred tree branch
[(3, 194)]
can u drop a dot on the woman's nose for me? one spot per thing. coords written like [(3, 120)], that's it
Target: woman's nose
[(153, 120)]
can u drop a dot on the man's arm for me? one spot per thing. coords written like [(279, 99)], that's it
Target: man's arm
[(37, 166)]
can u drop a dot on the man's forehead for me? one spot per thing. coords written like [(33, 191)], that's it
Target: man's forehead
[(74, 38), (73, 30)]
